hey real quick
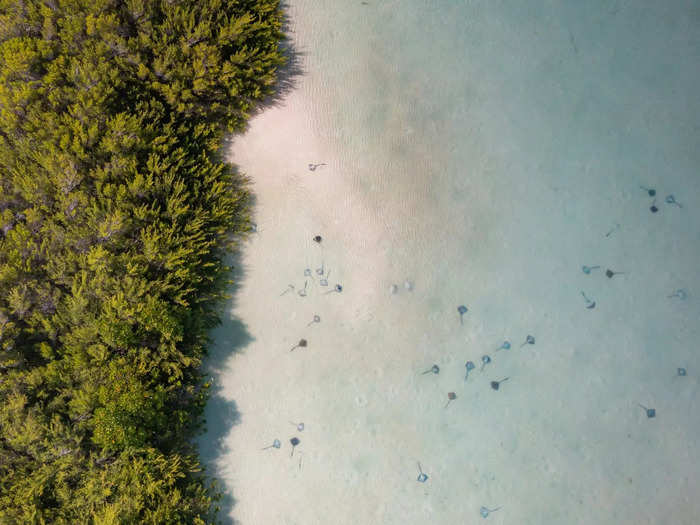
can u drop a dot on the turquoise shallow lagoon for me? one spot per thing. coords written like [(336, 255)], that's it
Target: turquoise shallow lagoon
[(476, 153)]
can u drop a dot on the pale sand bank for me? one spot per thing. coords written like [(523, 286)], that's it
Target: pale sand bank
[(562, 441)]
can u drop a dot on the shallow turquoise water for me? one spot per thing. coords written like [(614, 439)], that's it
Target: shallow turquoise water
[(499, 147)]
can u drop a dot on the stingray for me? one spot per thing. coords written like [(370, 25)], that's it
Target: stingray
[(338, 288), (650, 191), (469, 366), (422, 476), (651, 412), (609, 273), (653, 207), (682, 371), (589, 304), (504, 346), (301, 344), (670, 199), (300, 426), (316, 319), (312, 167), (529, 340), (289, 289), (587, 269), (485, 512), (275, 444), (610, 232), (461, 309), (485, 360), (680, 293), (497, 384), (451, 396), (435, 369), (294, 441), (302, 293)]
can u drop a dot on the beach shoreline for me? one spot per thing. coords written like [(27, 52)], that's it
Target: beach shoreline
[(485, 215)]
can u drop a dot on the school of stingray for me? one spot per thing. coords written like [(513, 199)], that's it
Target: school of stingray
[(462, 310)]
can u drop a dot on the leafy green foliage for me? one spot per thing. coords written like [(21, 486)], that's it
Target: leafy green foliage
[(114, 217)]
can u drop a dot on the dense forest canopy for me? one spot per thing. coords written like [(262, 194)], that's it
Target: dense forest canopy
[(115, 213)]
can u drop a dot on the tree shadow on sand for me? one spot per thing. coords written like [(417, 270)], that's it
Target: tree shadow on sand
[(221, 413), (291, 71), (287, 76), (232, 336)]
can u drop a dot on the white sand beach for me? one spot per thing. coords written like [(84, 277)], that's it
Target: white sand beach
[(488, 188)]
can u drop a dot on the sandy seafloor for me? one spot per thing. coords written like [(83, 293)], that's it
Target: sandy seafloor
[(481, 150)]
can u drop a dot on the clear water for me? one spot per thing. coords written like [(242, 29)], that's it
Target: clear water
[(486, 151)]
